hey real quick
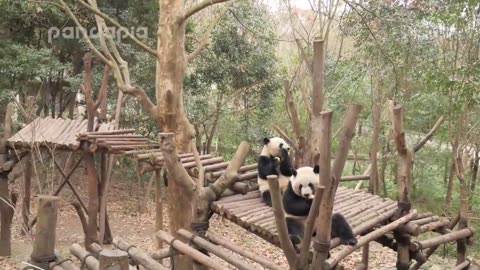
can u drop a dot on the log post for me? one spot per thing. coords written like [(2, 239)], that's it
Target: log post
[(113, 260), (158, 205), (318, 77), (405, 161), (6, 210), (44, 246), (280, 221), (27, 187), (322, 241), (93, 203)]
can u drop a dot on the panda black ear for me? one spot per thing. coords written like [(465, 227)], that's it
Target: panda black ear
[(316, 169), (266, 140), (294, 172)]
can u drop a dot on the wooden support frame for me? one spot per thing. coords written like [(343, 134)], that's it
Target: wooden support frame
[(62, 184)]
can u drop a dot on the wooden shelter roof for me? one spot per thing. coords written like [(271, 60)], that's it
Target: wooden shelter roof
[(67, 135)]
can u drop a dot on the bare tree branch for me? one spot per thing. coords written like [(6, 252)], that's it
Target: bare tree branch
[(200, 6), (114, 22), (142, 98), (303, 54), (286, 138), (429, 135), (176, 170), (102, 94), (84, 34), (206, 36)]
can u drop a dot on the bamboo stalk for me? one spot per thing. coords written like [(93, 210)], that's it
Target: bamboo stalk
[(354, 178)]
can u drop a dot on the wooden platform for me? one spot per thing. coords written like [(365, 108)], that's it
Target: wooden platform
[(358, 207)]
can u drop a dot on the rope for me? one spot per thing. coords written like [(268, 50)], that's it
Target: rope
[(45, 259), (321, 246), (200, 226), (84, 261)]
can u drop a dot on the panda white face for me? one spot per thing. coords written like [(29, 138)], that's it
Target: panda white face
[(274, 146), (305, 181)]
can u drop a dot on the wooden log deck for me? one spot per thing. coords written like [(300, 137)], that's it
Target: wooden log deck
[(362, 210), (370, 216)]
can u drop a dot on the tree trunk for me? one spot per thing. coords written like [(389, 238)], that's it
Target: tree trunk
[(6, 211), (475, 163), (383, 169), (445, 175), (451, 178), (27, 187), (172, 117), (5, 218), (374, 186)]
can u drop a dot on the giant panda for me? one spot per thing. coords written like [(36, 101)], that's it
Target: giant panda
[(297, 200), (273, 160)]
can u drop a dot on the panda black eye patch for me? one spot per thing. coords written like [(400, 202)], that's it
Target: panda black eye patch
[(311, 186)]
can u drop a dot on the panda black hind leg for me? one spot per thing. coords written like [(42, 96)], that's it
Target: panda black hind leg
[(295, 230), (267, 197), (341, 228)]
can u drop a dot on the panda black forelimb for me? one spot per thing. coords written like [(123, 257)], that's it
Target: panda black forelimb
[(295, 230), (341, 229), (285, 166), (267, 197), (266, 167)]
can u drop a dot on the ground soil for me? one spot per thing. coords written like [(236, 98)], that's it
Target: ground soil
[(125, 197)]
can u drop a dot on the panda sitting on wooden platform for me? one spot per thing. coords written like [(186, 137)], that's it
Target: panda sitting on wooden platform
[(273, 160), (297, 200)]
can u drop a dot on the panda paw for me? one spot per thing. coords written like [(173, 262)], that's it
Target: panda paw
[(349, 242)]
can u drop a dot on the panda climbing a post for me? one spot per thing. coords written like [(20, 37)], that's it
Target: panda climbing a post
[(273, 160), (297, 201)]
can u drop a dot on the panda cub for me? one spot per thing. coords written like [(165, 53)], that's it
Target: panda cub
[(273, 160), (297, 201)]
